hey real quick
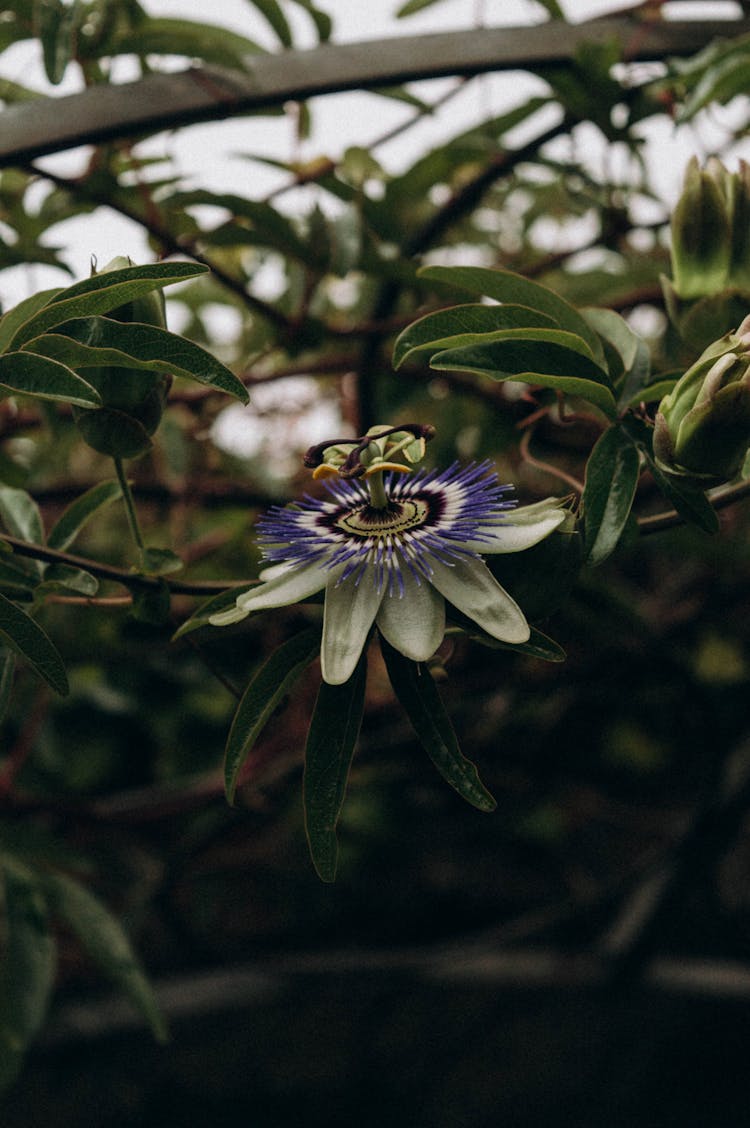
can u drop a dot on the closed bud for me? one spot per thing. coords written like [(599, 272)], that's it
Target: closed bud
[(702, 427)]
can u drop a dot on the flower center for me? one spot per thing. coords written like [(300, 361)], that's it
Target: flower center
[(398, 517)]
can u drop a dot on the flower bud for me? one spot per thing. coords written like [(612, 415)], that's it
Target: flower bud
[(710, 286), (133, 399), (702, 427)]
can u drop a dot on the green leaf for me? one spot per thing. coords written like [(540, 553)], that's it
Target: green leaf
[(333, 733), (161, 562), (63, 577), (689, 501), (104, 940), (11, 321), (507, 287), (27, 970), (102, 293), (55, 27), (463, 325), (20, 515), (25, 374), (77, 515), (416, 690), (266, 689), (221, 602), (612, 475), (19, 631), (551, 358), (322, 21), (413, 6), (271, 9), (211, 44), (102, 341)]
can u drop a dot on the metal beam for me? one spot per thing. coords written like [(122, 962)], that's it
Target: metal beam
[(199, 94)]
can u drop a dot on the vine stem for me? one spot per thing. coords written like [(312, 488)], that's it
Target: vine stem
[(127, 497)]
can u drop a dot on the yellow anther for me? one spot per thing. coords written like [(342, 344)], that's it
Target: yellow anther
[(379, 467), (325, 470)]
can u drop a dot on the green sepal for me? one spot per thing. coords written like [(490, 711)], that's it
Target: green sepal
[(265, 691), (416, 690), (331, 739)]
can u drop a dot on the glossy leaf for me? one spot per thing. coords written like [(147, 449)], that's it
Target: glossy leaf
[(416, 690), (24, 373), (507, 287), (104, 940), (22, 634), (102, 341), (12, 321), (63, 577), (20, 515), (551, 358), (266, 689), (102, 293), (612, 475), (463, 325), (331, 739), (77, 515), (27, 968)]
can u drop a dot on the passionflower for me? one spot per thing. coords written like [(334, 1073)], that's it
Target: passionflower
[(390, 550)]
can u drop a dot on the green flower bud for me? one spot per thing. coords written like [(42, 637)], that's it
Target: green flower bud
[(702, 429), (701, 232), (133, 399), (710, 286)]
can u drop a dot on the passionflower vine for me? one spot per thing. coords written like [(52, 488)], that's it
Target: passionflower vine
[(390, 550)]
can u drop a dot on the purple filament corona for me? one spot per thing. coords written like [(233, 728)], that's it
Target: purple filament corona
[(430, 515)]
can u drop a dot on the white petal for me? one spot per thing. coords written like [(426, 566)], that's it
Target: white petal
[(415, 622), (526, 526), (289, 587), (224, 618), (470, 586), (350, 611)]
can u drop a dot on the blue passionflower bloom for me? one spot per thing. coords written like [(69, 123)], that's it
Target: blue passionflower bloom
[(391, 551)]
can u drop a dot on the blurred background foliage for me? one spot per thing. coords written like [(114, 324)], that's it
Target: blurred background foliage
[(580, 953)]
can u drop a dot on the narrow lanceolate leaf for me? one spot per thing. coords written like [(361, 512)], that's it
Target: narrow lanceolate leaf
[(461, 325), (106, 943), (413, 685), (11, 321), (551, 358), (27, 967), (266, 690), (333, 733), (19, 631), (611, 479), (73, 519), (24, 373), (101, 341), (101, 293), (505, 286)]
